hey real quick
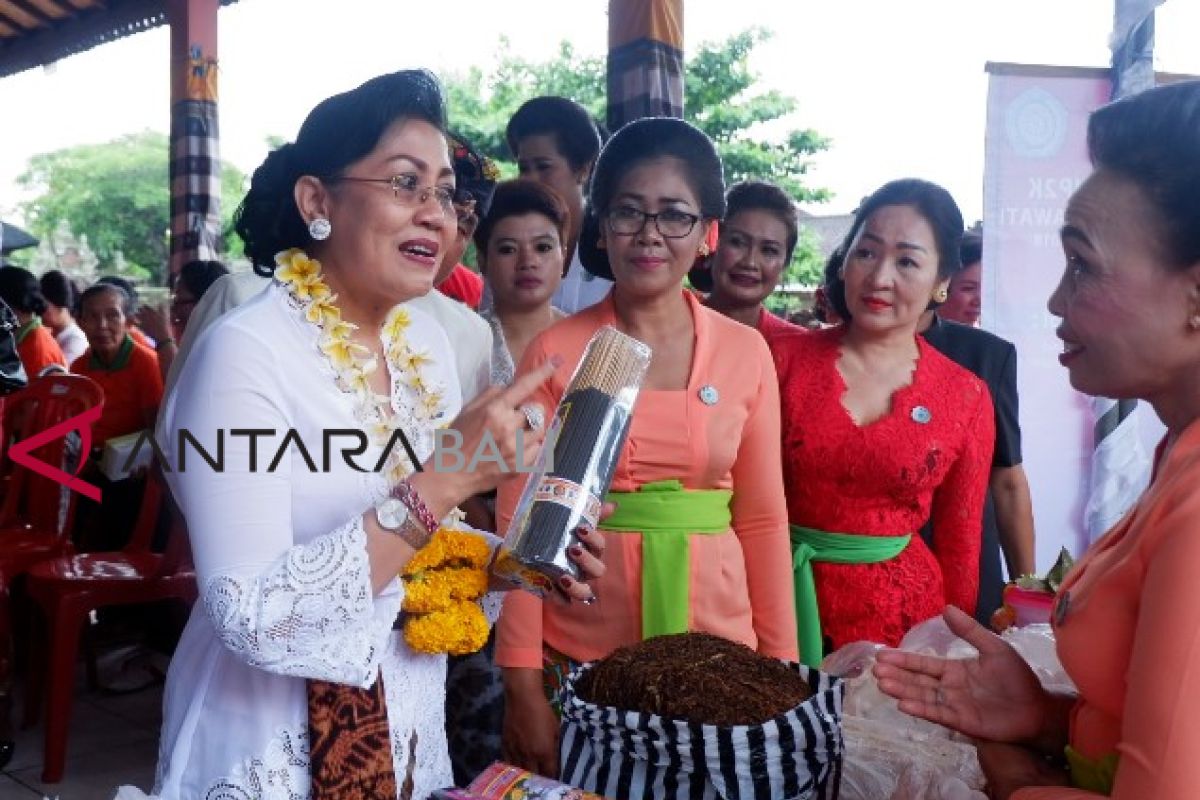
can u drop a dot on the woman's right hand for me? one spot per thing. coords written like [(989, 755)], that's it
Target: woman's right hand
[(530, 736), (496, 422), (994, 696)]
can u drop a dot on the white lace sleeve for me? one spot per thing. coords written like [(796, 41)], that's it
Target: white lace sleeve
[(280, 551), (311, 615), (492, 603)]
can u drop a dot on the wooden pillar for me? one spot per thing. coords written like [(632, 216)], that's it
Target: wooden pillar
[(645, 60), (195, 170)]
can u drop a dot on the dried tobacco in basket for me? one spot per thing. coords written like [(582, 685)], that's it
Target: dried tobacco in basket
[(697, 677)]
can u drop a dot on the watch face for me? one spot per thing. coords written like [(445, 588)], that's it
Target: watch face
[(391, 513)]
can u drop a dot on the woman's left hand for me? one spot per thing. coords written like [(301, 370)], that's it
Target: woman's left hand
[(1009, 767), (588, 553)]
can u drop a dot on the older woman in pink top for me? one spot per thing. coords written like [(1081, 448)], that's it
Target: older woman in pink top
[(704, 440), (1127, 619)]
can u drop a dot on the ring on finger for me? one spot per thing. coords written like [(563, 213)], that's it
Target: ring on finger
[(535, 418)]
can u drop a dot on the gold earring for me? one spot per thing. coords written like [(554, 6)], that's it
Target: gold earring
[(704, 251), (941, 295)]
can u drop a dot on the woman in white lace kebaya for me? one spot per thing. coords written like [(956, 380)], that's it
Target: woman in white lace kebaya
[(301, 528)]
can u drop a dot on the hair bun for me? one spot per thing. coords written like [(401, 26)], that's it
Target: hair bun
[(593, 257), (277, 168), (262, 218)]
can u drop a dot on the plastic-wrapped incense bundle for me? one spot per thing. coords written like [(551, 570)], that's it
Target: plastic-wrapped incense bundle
[(576, 464)]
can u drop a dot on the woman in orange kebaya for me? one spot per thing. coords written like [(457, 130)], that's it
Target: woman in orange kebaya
[(704, 441), (1127, 617)]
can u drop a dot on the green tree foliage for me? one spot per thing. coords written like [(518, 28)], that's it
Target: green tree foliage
[(806, 269), (118, 194), (808, 266), (480, 105), (720, 98)]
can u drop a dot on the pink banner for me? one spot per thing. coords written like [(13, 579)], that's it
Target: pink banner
[(1036, 156)]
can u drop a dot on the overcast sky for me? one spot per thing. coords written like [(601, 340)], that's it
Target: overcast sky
[(899, 85)]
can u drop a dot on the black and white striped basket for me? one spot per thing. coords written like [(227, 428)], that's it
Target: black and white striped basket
[(626, 755)]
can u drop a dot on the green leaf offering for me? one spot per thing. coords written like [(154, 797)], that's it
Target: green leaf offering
[(1058, 572), (1054, 577)]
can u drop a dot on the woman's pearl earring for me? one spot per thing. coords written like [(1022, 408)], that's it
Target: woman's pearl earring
[(320, 229)]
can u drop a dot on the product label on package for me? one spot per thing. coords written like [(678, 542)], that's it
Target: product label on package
[(511, 569), (503, 781), (566, 493)]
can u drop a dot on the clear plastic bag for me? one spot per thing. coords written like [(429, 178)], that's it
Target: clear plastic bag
[(893, 756), (575, 465)]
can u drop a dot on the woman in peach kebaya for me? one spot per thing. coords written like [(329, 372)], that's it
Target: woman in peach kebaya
[(704, 443), (1127, 617)]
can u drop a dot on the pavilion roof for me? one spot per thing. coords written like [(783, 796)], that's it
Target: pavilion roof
[(34, 33)]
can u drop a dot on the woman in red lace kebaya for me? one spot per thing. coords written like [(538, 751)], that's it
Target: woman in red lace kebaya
[(881, 433)]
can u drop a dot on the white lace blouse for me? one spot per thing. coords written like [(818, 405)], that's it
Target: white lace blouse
[(281, 563)]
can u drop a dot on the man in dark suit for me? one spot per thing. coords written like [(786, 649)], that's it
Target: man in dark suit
[(1008, 512)]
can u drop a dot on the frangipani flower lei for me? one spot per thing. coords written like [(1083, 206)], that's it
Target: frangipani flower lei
[(353, 364), (446, 579)]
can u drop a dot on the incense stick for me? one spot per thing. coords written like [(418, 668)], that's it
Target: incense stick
[(587, 436)]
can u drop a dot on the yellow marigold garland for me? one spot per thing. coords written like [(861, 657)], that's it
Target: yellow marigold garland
[(435, 590), (450, 548), (442, 586), (459, 630)]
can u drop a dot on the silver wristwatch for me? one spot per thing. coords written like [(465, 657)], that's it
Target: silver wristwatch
[(394, 517)]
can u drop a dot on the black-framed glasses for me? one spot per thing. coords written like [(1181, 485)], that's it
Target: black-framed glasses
[(408, 191), (671, 223)]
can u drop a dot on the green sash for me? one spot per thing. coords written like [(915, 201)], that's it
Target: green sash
[(1093, 774), (667, 515), (810, 544)]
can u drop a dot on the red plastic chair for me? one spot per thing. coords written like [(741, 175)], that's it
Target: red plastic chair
[(30, 520), (67, 589), (37, 514)]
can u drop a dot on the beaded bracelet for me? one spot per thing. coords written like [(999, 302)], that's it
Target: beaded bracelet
[(405, 493)]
